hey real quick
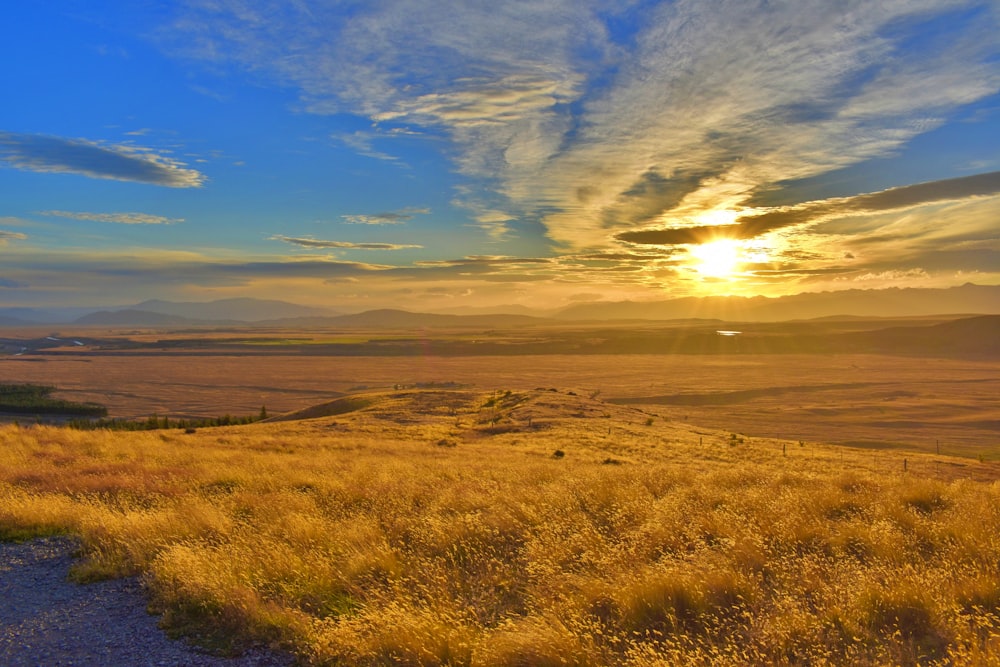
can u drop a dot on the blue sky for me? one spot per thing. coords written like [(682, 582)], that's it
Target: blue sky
[(431, 155)]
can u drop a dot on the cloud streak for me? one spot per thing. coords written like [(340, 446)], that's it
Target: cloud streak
[(117, 218), (954, 189), (361, 143), (387, 218), (494, 223), (319, 243), (7, 236), (892, 199), (59, 155)]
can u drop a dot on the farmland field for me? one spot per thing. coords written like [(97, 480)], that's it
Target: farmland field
[(875, 401)]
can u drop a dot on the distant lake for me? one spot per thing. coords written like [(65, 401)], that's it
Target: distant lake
[(723, 332)]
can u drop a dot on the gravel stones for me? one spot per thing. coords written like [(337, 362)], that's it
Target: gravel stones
[(47, 620)]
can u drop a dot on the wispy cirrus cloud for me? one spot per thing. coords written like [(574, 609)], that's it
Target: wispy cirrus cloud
[(121, 162), (7, 236), (785, 95), (306, 242), (595, 125), (118, 277), (496, 79), (13, 221), (362, 143), (387, 218), (495, 223), (487, 261), (117, 218)]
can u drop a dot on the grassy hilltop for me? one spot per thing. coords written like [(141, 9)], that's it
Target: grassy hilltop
[(455, 527)]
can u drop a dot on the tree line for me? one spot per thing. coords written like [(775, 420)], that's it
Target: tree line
[(155, 422)]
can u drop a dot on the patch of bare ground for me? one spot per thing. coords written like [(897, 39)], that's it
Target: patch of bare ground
[(47, 619)]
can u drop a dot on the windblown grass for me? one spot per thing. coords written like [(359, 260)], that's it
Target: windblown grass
[(357, 540)]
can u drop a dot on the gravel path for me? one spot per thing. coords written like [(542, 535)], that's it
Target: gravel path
[(48, 621)]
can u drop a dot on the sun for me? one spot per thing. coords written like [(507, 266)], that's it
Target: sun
[(717, 259)]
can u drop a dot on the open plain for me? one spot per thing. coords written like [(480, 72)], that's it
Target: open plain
[(943, 403), (529, 509)]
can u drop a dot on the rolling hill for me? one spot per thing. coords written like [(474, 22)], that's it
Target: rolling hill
[(240, 309), (129, 317), (524, 527)]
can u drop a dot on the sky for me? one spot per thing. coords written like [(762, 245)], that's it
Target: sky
[(439, 154)]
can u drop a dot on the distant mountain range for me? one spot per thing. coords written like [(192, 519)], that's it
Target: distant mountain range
[(156, 312), (242, 310), (966, 338), (388, 318), (967, 299), (372, 319), (134, 317), (893, 302), (20, 316)]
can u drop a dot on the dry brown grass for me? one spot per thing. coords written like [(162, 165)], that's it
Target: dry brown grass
[(872, 401), (358, 539)]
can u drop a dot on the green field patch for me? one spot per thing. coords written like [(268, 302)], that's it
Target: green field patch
[(36, 399)]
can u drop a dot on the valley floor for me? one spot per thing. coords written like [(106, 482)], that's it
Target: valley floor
[(951, 406)]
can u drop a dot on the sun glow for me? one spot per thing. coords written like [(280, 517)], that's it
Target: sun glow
[(717, 259), (718, 217)]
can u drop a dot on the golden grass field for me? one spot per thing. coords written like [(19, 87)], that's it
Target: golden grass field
[(441, 528)]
